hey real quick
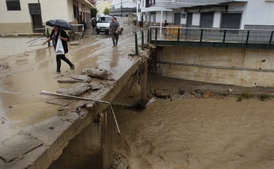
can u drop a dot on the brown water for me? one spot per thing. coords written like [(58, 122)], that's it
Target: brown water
[(198, 134)]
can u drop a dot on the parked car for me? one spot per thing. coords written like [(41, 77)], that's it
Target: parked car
[(103, 24)]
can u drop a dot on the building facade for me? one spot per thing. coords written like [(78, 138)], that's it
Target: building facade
[(29, 16), (235, 14), (123, 8), (101, 5)]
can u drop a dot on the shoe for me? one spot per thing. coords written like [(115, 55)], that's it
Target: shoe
[(113, 46), (72, 67), (58, 72)]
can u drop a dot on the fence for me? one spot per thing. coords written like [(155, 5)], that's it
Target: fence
[(186, 34), (141, 37)]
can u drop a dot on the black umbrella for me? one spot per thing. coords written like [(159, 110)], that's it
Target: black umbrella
[(61, 23)]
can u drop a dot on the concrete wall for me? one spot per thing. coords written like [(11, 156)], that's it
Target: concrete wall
[(83, 151), (258, 13), (57, 11), (13, 21), (21, 21), (15, 28), (242, 67), (15, 16)]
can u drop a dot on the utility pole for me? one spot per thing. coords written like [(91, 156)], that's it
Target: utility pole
[(121, 8), (137, 10)]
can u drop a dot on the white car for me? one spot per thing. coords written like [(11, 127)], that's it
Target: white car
[(103, 24)]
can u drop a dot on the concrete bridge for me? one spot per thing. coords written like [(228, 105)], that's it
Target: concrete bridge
[(35, 129)]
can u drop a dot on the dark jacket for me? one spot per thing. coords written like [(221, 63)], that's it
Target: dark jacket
[(63, 34)]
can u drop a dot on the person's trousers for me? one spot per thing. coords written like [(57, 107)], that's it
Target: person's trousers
[(58, 61), (115, 36)]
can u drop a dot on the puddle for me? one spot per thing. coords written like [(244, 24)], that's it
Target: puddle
[(16, 45)]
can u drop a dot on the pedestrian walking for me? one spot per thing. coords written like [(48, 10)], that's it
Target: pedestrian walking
[(84, 24), (56, 33), (114, 31)]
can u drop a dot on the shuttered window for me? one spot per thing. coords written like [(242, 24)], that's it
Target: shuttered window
[(231, 20), (13, 5), (207, 19)]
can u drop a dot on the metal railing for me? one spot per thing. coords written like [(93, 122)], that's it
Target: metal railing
[(210, 35), (77, 28), (141, 37), (213, 35)]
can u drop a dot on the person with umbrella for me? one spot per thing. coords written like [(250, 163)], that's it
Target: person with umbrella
[(56, 33)]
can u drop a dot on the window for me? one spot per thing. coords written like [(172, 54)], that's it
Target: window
[(104, 20), (13, 5)]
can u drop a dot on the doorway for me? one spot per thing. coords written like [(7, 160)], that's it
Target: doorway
[(37, 23), (177, 19)]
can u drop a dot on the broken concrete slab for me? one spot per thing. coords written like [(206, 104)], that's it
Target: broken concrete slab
[(18, 145)]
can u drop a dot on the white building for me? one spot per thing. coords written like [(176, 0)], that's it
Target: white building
[(25, 16), (257, 14), (123, 7)]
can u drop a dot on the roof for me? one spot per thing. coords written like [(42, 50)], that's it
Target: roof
[(194, 3)]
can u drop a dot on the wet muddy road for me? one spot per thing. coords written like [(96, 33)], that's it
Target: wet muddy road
[(24, 75)]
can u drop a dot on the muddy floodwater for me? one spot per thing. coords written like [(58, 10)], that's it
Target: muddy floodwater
[(197, 133)]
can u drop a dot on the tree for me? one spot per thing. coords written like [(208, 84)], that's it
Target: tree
[(93, 12), (106, 11)]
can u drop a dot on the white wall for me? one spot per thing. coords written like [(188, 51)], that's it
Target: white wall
[(169, 17), (217, 20), (62, 9), (70, 10), (196, 19), (21, 16), (254, 12), (50, 11), (259, 13)]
